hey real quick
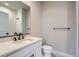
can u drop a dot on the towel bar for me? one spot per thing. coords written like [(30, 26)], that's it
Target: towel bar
[(62, 28)]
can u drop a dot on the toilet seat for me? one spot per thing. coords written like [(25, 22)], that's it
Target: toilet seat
[(47, 47)]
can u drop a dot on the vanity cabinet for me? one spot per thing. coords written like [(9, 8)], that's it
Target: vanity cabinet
[(27, 51)]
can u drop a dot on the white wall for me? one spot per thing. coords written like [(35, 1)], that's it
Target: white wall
[(35, 17), (71, 42), (54, 14), (59, 14)]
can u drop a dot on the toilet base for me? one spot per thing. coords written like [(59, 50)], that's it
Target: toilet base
[(47, 51)]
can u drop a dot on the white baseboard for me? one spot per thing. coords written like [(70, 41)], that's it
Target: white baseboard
[(61, 54)]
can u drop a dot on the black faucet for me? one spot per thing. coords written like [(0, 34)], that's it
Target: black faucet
[(15, 36), (20, 36)]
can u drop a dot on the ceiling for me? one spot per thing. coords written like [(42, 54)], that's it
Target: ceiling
[(14, 4)]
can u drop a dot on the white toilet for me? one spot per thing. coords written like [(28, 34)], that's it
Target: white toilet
[(47, 50)]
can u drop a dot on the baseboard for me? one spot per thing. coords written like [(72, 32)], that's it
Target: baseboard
[(61, 54)]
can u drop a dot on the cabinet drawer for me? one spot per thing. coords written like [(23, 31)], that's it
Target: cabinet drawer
[(25, 51)]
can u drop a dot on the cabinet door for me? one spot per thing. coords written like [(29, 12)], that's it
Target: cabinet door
[(28, 51)]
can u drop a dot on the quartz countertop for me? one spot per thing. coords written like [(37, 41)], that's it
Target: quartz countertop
[(9, 47)]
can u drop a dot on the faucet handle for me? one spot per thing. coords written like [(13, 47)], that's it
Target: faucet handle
[(15, 34)]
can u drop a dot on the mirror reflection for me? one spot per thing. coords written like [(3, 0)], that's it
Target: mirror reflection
[(14, 17)]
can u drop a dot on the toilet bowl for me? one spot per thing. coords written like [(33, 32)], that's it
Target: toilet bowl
[(47, 50)]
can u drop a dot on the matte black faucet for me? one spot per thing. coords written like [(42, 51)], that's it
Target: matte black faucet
[(20, 36)]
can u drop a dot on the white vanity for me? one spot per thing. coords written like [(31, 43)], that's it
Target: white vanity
[(22, 48)]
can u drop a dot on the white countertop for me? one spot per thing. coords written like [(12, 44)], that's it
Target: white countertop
[(9, 47)]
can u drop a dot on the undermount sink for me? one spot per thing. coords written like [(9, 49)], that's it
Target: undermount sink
[(22, 40)]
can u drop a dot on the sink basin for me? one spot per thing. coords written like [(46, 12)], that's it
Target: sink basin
[(22, 41)]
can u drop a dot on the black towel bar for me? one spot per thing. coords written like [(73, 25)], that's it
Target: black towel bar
[(62, 28)]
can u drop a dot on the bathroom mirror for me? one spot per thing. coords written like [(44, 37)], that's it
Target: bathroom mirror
[(14, 17)]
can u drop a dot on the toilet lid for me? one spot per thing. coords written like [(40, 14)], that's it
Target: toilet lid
[(47, 47)]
